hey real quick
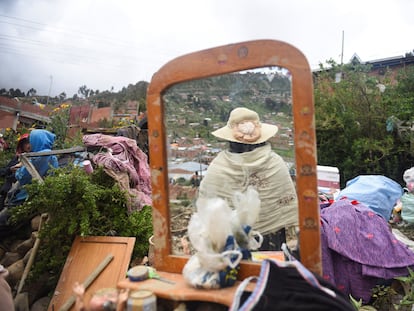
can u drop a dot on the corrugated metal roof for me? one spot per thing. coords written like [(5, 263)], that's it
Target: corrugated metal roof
[(190, 166)]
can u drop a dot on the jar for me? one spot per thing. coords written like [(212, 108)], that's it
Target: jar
[(142, 300)]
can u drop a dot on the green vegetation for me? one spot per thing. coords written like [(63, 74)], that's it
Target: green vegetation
[(217, 96), (195, 108), (84, 205), (407, 283), (359, 120)]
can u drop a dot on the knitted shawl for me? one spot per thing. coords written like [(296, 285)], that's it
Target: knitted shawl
[(267, 172)]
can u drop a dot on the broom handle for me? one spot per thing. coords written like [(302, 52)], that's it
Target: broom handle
[(68, 304), (32, 255)]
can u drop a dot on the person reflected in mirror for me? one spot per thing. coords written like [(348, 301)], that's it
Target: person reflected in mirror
[(250, 161), (195, 180), (8, 172)]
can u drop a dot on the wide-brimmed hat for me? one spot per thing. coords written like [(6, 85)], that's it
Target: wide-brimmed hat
[(244, 127)]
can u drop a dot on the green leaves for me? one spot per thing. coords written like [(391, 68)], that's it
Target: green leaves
[(351, 120), (80, 204)]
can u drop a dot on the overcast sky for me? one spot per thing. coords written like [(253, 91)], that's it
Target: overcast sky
[(59, 45)]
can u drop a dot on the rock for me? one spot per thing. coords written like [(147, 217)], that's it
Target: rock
[(15, 272), (39, 288), (35, 222), (9, 258), (21, 302), (23, 247), (27, 256), (14, 244), (2, 252), (41, 304)]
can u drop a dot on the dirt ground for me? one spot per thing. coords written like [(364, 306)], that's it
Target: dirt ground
[(180, 217), (408, 231)]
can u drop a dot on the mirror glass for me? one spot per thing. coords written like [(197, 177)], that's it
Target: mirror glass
[(194, 109)]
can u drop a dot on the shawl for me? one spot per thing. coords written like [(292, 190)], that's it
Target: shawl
[(359, 249), (267, 172), (124, 157)]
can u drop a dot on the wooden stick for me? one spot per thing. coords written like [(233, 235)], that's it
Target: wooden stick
[(71, 300), (32, 256)]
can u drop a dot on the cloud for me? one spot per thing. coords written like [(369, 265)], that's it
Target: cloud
[(110, 43)]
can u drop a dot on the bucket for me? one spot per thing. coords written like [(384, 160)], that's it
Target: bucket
[(87, 166)]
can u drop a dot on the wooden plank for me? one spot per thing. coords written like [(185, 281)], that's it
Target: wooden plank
[(86, 254), (180, 290), (55, 152)]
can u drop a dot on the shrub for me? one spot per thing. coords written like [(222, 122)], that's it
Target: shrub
[(80, 204)]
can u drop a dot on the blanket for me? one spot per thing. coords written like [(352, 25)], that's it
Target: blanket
[(359, 249)]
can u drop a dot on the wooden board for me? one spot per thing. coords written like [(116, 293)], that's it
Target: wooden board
[(86, 254), (180, 290)]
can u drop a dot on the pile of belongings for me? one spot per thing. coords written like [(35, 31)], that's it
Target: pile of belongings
[(359, 250), (407, 200), (288, 286), (124, 161)]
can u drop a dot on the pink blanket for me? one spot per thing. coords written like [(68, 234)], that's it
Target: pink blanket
[(123, 155)]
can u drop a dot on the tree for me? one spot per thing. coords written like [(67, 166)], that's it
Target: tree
[(403, 94), (31, 92), (62, 96), (84, 91), (16, 93), (351, 118)]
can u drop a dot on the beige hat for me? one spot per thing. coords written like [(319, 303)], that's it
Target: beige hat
[(244, 127)]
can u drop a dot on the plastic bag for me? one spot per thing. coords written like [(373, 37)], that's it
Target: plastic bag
[(408, 175), (213, 271), (247, 206), (247, 209), (215, 263), (377, 192), (221, 237), (407, 211), (209, 227)]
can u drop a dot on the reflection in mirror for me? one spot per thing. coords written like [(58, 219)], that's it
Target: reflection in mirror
[(193, 110)]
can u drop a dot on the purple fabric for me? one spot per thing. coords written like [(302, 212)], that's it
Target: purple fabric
[(359, 249), (126, 156)]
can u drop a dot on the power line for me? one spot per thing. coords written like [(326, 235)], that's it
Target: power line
[(60, 30), (79, 55), (79, 35)]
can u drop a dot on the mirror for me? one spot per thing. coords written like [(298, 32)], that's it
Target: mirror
[(229, 61), (194, 109)]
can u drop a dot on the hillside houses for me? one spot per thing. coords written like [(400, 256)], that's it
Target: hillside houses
[(16, 113), (379, 67)]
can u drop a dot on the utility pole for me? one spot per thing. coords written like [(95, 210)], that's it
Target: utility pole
[(50, 88), (342, 52)]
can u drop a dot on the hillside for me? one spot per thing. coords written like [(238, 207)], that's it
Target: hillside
[(195, 108)]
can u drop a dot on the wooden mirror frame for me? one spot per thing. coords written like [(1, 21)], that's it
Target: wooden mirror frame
[(222, 60)]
